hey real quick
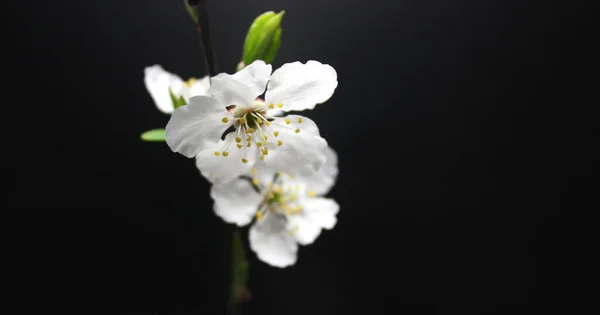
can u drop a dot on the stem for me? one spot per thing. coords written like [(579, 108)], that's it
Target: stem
[(239, 292), (202, 24), (234, 251)]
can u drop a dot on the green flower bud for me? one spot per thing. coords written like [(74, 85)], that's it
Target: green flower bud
[(263, 38)]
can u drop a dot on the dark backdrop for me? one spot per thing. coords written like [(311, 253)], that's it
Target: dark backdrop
[(451, 181)]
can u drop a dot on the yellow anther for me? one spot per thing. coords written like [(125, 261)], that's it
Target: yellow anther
[(259, 215), (311, 193), (297, 130), (189, 82), (250, 130), (259, 120), (271, 106), (259, 144), (276, 133), (279, 142), (265, 137), (299, 120), (243, 120), (268, 123), (244, 160), (249, 144), (239, 145), (248, 138), (253, 170), (255, 181), (225, 153), (238, 139), (225, 119), (265, 151), (217, 153), (262, 157), (280, 105), (287, 121)]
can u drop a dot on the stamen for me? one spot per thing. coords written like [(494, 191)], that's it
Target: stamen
[(287, 121), (225, 120), (299, 120), (280, 105), (217, 153), (244, 160), (279, 142), (297, 130)]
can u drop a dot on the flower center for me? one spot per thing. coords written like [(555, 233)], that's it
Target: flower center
[(254, 127), (280, 200)]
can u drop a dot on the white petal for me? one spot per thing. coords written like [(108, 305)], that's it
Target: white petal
[(243, 87), (301, 86), (304, 230), (157, 82), (321, 211), (236, 201), (301, 153), (321, 181), (275, 112), (262, 173), (192, 125), (272, 243), (199, 87), (255, 75), (205, 81), (317, 213), (222, 169)]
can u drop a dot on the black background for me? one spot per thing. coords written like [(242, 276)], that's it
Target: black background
[(452, 164)]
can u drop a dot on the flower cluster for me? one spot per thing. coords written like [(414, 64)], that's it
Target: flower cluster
[(265, 165)]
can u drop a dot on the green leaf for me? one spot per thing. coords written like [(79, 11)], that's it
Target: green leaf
[(272, 52), (253, 32), (177, 102), (263, 38), (154, 135)]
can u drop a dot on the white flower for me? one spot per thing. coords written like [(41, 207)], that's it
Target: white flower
[(158, 82), (288, 212), (289, 144)]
